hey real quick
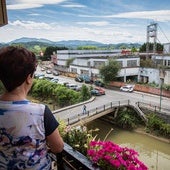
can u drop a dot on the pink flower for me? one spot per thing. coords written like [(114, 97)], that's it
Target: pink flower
[(109, 155), (115, 163)]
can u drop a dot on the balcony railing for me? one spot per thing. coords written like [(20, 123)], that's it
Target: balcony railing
[(70, 159)]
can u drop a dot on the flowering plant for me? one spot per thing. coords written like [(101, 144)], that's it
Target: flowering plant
[(111, 156)]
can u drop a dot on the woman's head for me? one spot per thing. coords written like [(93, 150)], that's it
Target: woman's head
[(16, 63)]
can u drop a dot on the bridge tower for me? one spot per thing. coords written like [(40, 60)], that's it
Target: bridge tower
[(151, 33)]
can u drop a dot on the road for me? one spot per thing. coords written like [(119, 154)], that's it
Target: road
[(111, 96)]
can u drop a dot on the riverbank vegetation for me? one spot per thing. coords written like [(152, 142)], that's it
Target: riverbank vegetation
[(128, 119), (157, 126)]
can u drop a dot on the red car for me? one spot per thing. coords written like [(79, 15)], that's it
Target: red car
[(101, 90)]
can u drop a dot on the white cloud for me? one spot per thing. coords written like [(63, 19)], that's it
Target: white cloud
[(100, 23), (30, 25), (55, 32), (23, 6), (162, 15), (74, 6), (27, 4)]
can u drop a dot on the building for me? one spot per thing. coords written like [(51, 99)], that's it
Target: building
[(161, 73), (88, 62), (3, 13)]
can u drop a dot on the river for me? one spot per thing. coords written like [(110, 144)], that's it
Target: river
[(154, 153)]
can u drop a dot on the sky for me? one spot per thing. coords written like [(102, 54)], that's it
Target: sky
[(105, 21)]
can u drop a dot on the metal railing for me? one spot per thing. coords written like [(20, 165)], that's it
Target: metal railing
[(153, 107), (70, 159), (92, 112)]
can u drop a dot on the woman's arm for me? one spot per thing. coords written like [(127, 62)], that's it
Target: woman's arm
[(55, 142)]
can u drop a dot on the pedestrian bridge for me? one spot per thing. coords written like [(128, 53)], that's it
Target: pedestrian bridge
[(92, 114)]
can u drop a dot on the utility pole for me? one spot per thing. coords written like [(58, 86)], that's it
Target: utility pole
[(160, 106)]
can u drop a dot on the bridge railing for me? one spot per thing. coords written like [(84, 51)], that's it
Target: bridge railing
[(154, 107), (76, 118)]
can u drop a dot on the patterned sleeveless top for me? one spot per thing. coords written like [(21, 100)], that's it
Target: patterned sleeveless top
[(22, 136)]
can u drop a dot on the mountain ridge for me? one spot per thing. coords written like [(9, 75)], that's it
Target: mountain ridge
[(71, 43)]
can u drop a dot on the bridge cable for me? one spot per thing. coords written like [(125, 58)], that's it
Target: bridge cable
[(164, 34)]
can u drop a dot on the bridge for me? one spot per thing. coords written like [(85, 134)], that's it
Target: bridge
[(97, 112)]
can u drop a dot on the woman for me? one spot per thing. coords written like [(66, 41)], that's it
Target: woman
[(25, 127)]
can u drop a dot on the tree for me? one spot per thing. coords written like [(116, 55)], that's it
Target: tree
[(49, 51), (133, 49), (85, 94), (147, 63), (110, 70), (87, 48), (69, 61), (159, 47)]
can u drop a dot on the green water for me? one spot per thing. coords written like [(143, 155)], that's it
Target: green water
[(154, 153)]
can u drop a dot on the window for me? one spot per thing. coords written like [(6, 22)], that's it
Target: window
[(74, 70), (168, 62), (131, 63), (97, 64)]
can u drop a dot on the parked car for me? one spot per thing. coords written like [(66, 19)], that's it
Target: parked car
[(39, 76), (55, 73), (79, 79), (54, 80), (48, 72), (99, 83), (48, 77), (42, 69), (88, 80), (95, 92), (127, 88), (101, 90), (72, 86)]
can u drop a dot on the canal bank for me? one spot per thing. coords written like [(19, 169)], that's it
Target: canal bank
[(142, 131)]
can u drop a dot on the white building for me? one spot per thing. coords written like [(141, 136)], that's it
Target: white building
[(88, 62), (64, 55), (160, 74), (90, 65)]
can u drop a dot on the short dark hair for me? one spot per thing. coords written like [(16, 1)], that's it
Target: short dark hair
[(16, 63)]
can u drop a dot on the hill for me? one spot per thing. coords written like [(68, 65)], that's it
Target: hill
[(71, 44)]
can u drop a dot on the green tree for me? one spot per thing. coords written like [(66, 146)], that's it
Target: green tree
[(85, 94), (49, 51), (159, 47), (133, 49), (87, 47), (110, 70), (69, 61), (149, 63)]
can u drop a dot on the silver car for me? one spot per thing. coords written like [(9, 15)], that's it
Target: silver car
[(127, 88)]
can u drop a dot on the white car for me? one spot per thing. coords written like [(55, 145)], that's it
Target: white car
[(72, 86), (127, 88)]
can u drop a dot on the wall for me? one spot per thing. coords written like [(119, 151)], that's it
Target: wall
[(151, 73), (143, 88)]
